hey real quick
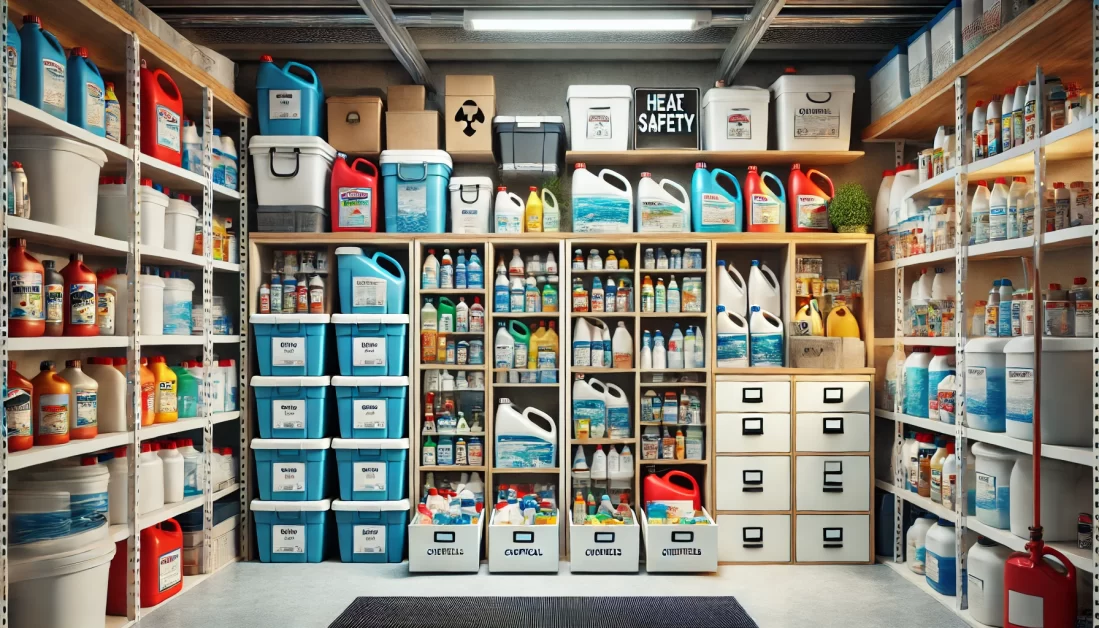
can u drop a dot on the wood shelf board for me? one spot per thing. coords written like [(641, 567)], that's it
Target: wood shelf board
[(536, 470), (792, 371), (687, 157)]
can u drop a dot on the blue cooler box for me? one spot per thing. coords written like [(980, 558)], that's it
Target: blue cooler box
[(290, 344), (291, 407), (371, 469), (371, 532), (291, 469), (372, 407), (414, 186), (290, 532), (371, 344)]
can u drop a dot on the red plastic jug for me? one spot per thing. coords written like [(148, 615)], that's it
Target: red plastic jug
[(161, 562), (81, 290), (764, 208), (1037, 592), (662, 489), (161, 116), (354, 195), (26, 295), (808, 201)]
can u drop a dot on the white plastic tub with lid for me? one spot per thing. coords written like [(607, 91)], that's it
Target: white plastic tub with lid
[(180, 220), (599, 116), (814, 112), (112, 216), (470, 204), (154, 206), (1066, 382), (152, 305), (291, 170), (62, 178), (735, 118), (985, 383), (61, 583), (993, 484), (1064, 496), (889, 82)]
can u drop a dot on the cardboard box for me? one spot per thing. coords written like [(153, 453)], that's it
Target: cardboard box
[(470, 105), (355, 124), (406, 97), (412, 130), (817, 352)]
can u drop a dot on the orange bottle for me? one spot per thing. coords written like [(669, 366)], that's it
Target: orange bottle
[(50, 403), (765, 209), (19, 421), (808, 201), (80, 297), (148, 393), (26, 293), (167, 389)]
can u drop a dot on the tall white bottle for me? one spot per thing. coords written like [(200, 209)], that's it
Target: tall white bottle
[(980, 208), (622, 347), (505, 347), (675, 348), (660, 352), (764, 289), (732, 291), (998, 214), (1015, 195), (581, 343)]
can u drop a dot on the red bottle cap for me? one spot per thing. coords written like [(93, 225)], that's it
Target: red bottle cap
[(1080, 281), (534, 188), (265, 59), (501, 189), (32, 19), (700, 164), (1060, 185), (580, 165), (79, 51), (16, 164), (1001, 180)]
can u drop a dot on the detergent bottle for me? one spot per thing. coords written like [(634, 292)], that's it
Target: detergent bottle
[(447, 315), (26, 292), (19, 415), (766, 209), (598, 206), (509, 211), (161, 116), (618, 412), (80, 297), (86, 93), (504, 347), (589, 408), (808, 201), (763, 289), (732, 291), (732, 339), (520, 442), (765, 344), (808, 321), (713, 207), (354, 195), (661, 490), (532, 213), (148, 392), (50, 404), (658, 210), (289, 102), (622, 348), (545, 349), (42, 68), (166, 403), (520, 335), (161, 562), (532, 351), (14, 57), (551, 213), (372, 284), (842, 323), (581, 343)]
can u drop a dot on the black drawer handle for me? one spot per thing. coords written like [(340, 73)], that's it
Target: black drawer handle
[(751, 426), (833, 395), (752, 395), (444, 537), (604, 537), (683, 537), (752, 537), (522, 537), (833, 538), (752, 480), (833, 476), (833, 425)]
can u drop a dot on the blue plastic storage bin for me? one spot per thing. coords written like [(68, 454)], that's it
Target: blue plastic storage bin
[(372, 407), (291, 407), (371, 344), (371, 532), (291, 532), (371, 469), (290, 344), (289, 102), (366, 286), (415, 190), (292, 469)]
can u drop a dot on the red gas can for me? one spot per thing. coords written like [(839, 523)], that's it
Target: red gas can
[(161, 562), (1038, 592), (662, 489), (808, 201), (354, 195), (161, 116)]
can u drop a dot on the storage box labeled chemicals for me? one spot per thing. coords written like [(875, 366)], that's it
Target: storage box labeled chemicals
[(470, 105), (291, 170), (946, 38), (290, 532), (372, 469), (371, 344), (372, 407), (355, 124), (291, 469), (889, 82), (290, 344), (371, 532), (452, 549), (599, 117), (519, 548), (415, 190), (680, 548), (290, 407), (814, 112), (528, 143), (735, 118), (604, 549)]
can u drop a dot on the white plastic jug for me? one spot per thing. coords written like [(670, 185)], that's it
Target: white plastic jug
[(621, 348), (985, 562), (732, 339), (589, 407), (906, 178), (660, 211), (732, 291), (111, 396), (508, 211), (599, 206), (470, 204), (765, 345), (764, 289), (618, 412), (581, 343), (881, 204), (505, 348), (520, 442)]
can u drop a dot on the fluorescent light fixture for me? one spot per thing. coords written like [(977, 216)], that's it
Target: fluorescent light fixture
[(585, 20)]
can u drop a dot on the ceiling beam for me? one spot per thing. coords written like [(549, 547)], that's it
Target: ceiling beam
[(747, 36), (400, 42)]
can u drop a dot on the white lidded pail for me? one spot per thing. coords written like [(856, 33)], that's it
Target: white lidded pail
[(985, 382), (291, 170), (470, 204), (61, 583), (813, 112), (1066, 385), (994, 465), (152, 304), (599, 116), (62, 178), (735, 118), (154, 205), (112, 216), (180, 220)]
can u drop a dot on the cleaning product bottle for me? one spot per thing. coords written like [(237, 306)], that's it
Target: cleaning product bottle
[(660, 211), (26, 292), (19, 416), (765, 209), (980, 208), (589, 407), (83, 401), (660, 352), (42, 68), (447, 315), (501, 297), (713, 207), (581, 343), (165, 404), (517, 295), (111, 400), (520, 335), (192, 148), (622, 347), (504, 347), (85, 106), (732, 339), (915, 382), (939, 368), (675, 348), (551, 213), (992, 126), (509, 211), (608, 344), (599, 206), (14, 57), (80, 297), (937, 469), (522, 443), (881, 203), (1003, 318), (162, 116), (808, 201), (1006, 109), (764, 289), (533, 212), (807, 321), (446, 271), (765, 342), (353, 194), (51, 403), (532, 350), (732, 291), (997, 211), (841, 323)]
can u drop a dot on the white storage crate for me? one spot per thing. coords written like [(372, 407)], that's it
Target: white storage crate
[(919, 60), (604, 549), (980, 19), (454, 549), (523, 548), (946, 38), (291, 170), (680, 548), (599, 117), (888, 83), (735, 118), (814, 112)]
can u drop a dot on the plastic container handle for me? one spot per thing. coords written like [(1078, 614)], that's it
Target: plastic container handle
[(402, 177), (518, 200), (718, 172), (167, 84), (395, 263), (767, 273), (615, 391), (686, 198), (735, 274), (602, 390), (827, 96), (547, 418), (778, 182), (547, 192), (675, 473), (462, 193), (603, 175), (304, 68), (172, 526), (1070, 569), (511, 328), (373, 169), (52, 40), (831, 188), (297, 164)]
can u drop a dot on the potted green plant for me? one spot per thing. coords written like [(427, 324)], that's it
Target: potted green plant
[(851, 210)]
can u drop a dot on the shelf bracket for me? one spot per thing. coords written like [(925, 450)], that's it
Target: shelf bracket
[(399, 41), (746, 38)]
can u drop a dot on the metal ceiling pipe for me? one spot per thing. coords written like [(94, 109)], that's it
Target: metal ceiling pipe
[(400, 42), (746, 37)]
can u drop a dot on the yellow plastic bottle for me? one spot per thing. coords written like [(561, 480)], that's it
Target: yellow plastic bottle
[(547, 348), (167, 389), (532, 352), (842, 323), (808, 322), (533, 213)]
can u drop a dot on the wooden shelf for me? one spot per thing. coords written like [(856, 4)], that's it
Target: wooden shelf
[(665, 462), (604, 441), (451, 467), (537, 470), (672, 157), (480, 292)]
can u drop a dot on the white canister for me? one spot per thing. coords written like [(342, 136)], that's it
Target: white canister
[(152, 480), (178, 299), (915, 540), (1066, 385), (599, 116), (153, 205), (985, 383), (940, 557), (112, 217), (735, 118), (152, 303), (813, 112), (180, 220), (470, 204), (118, 494), (985, 563), (1064, 497), (993, 484)]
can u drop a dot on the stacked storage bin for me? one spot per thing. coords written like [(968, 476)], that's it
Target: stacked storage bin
[(372, 400)]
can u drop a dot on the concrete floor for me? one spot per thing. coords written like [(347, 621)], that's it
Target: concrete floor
[(254, 595)]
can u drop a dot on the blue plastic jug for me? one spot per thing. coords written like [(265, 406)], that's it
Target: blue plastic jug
[(366, 286), (86, 93), (713, 208), (289, 104), (15, 53), (42, 68)]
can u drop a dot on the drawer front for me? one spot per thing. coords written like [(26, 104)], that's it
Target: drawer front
[(840, 483), (832, 538), (833, 397), (754, 538), (753, 483), (841, 431), (753, 396), (753, 433)]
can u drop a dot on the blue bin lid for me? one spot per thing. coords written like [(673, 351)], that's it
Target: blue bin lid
[(277, 506), (262, 381), (370, 319), (897, 50), (393, 381), (379, 506), (285, 319), (955, 4), (925, 30), (370, 443)]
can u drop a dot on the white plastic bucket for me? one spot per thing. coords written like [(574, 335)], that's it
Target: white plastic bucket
[(62, 178), (1066, 384), (985, 382), (888, 82), (994, 465), (61, 583), (152, 305), (813, 112), (1064, 497), (87, 485), (599, 116), (153, 207), (470, 204), (178, 299), (735, 118), (180, 219), (112, 218), (291, 170)]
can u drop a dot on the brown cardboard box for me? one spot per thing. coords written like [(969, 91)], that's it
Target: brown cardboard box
[(470, 106), (355, 124), (412, 130), (406, 97)]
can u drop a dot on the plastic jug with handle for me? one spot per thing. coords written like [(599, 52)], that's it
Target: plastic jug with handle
[(354, 195), (732, 339), (85, 92), (842, 323), (589, 408), (808, 322), (366, 285), (520, 442), (765, 208), (289, 99), (662, 490), (161, 116), (508, 211), (713, 207), (765, 339), (521, 334), (764, 289), (618, 412), (14, 58), (42, 68), (808, 201), (732, 291), (599, 206), (551, 212), (658, 210)]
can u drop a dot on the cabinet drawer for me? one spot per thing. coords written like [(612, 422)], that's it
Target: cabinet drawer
[(833, 397), (753, 433), (754, 538), (753, 483), (832, 538), (753, 396), (838, 431), (833, 483)]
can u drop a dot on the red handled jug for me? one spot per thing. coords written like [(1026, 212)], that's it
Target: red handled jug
[(808, 201), (662, 489), (354, 195)]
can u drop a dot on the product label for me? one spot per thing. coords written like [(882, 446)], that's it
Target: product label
[(931, 566), (1081, 207), (765, 210), (445, 453), (507, 223), (86, 408), (937, 482), (719, 210), (13, 71), (55, 302), (599, 123), (369, 476), (594, 412), (18, 418), (167, 128), (369, 539), (288, 351), (816, 123), (515, 451), (105, 312), (53, 414), (284, 104), (288, 414), (985, 405), (976, 390), (812, 212), (288, 477), (166, 397), (53, 83), (618, 422), (1020, 395), (412, 207), (369, 414), (766, 350), (355, 204), (1083, 318), (915, 391), (26, 296), (601, 214), (946, 406), (82, 302), (113, 120), (94, 108), (581, 353), (997, 224), (1030, 120), (986, 491), (661, 216), (738, 124), (949, 489), (170, 569), (287, 539), (732, 348), (368, 292), (368, 351)]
